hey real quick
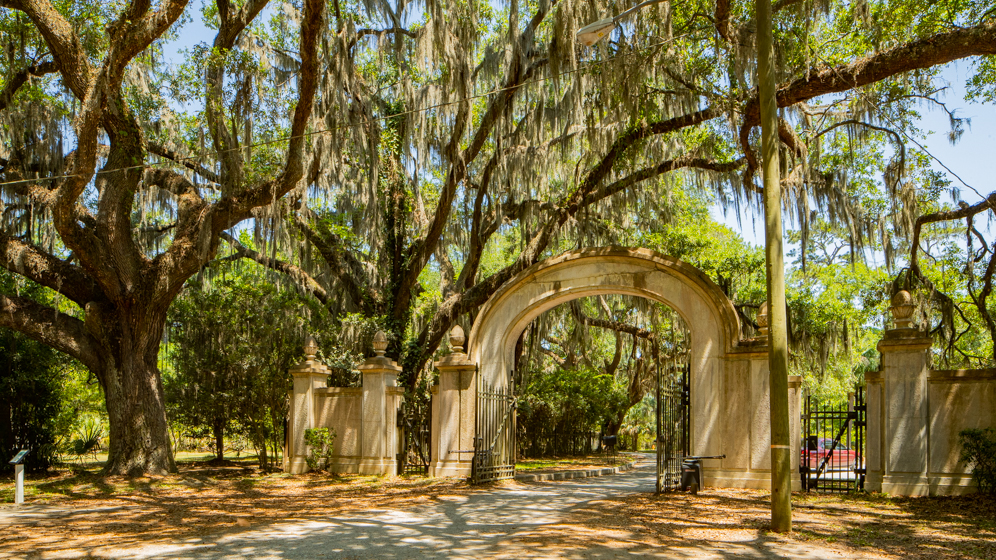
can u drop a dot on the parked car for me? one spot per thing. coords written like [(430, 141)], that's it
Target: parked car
[(841, 458)]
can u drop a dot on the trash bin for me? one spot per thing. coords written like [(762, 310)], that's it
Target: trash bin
[(609, 442), (691, 475)]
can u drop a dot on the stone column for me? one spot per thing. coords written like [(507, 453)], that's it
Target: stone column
[(897, 408), (454, 411), (381, 398), (745, 404), (308, 376)]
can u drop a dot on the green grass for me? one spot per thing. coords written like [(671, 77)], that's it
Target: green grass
[(91, 463), (561, 462)]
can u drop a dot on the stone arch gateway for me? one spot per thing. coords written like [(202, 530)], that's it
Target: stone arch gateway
[(729, 375)]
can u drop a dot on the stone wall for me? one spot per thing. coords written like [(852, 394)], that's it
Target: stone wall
[(364, 418), (340, 408), (957, 400), (915, 415)]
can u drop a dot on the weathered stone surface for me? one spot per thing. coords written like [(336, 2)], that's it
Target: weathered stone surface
[(915, 415), (364, 419), (729, 402), (453, 416)]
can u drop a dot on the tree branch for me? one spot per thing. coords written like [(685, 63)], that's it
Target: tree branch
[(723, 18), (987, 204), (821, 80), (62, 41), (33, 263), (294, 272), (234, 208), (343, 265), (364, 31), (63, 332), (20, 78), (162, 151)]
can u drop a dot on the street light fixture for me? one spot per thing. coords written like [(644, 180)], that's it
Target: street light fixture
[(593, 32)]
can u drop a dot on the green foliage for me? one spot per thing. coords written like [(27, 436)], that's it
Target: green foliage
[(319, 442), (231, 341), (566, 401), (88, 439), (640, 422), (30, 400), (36, 401), (978, 451)]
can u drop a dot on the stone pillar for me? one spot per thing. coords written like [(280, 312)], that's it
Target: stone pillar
[(897, 408), (381, 399), (308, 376), (746, 417), (454, 411)]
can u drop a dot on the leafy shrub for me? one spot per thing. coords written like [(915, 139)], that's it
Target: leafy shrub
[(319, 441), (978, 450)]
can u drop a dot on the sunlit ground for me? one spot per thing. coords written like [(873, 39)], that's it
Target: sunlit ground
[(236, 511)]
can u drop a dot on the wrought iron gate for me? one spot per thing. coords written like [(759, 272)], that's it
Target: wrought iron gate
[(833, 438), (494, 444), (415, 425), (673, 423)]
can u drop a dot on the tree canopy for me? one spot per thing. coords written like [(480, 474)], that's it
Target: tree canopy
[(399, 161)]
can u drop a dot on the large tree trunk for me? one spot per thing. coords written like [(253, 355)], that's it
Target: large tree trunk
[(129, 374), (139, 441)]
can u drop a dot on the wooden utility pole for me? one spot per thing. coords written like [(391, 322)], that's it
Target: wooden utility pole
[(781, 482)]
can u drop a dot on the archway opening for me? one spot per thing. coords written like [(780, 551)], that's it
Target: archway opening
[(602, 374), (727, 376), (587, 370)]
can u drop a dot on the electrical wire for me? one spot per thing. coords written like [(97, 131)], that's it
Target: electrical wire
[(179, 161)]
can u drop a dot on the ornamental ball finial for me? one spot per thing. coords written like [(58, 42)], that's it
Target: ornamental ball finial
[(380, 343), (310, 348), (902, 309), (457, 338)]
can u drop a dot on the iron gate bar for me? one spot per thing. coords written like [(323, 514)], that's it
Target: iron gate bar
[(672, 423), (825, 428), (415, 422), (495, 424)]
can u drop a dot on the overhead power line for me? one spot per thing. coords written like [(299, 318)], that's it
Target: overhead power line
[(200, 157)]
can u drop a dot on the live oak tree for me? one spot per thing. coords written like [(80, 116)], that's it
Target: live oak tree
[(92, 250), (470, 144), (373, 145)]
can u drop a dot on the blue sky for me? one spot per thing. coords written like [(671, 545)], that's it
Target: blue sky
[(972, 158)]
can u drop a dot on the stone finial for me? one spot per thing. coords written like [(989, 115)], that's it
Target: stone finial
[(457, 338), (762, 319), (902, 309), (380, 343), (310, 348)]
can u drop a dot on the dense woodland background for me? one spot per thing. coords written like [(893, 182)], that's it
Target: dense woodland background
[(172, 227)]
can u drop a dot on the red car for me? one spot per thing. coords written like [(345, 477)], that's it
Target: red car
[(841, 458)]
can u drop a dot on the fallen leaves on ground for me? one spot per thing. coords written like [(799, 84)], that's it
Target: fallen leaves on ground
[(206, 500)]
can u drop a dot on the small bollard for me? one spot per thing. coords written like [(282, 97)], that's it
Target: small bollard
[(18, 462)]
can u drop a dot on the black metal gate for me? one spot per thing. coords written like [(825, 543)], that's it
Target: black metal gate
[(833, 443), (494, 445), (415, 426), (673, 423)]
